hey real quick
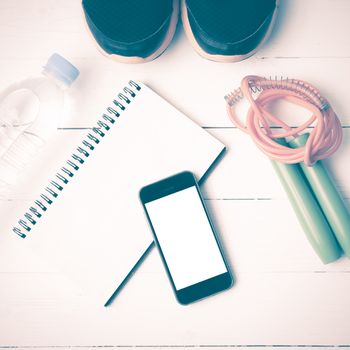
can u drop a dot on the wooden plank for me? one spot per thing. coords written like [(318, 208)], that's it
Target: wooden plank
[(261, 309), (260, 236), (202, 347), (198, 91), (243, 172), (191, 346), (300, 29), (37, 29)]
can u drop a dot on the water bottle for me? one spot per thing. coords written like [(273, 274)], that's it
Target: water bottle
[(29, 115)]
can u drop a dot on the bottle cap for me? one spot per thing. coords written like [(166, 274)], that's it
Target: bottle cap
[(61, 69)]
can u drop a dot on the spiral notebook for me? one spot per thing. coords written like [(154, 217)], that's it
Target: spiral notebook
[(88, 220)]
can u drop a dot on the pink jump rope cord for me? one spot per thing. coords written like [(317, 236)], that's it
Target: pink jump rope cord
[(325, 138)]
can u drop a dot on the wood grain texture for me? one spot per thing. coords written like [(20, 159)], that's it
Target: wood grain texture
[(283, 297)]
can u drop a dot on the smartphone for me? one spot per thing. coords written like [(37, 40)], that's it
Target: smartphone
[(185, 237)]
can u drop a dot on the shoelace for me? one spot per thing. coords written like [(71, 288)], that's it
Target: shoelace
[(325, 137)]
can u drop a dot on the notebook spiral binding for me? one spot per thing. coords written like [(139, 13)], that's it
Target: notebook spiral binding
[(82, 152)]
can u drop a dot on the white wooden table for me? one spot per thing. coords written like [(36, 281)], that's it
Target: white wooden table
[(283, 296)]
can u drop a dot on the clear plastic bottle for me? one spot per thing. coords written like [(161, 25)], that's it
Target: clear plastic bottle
[(29, 115)]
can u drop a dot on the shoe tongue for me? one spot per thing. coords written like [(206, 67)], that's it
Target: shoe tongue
[(128, 20), (230, 20)]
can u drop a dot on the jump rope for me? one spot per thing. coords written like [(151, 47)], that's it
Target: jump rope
[(296, 154)]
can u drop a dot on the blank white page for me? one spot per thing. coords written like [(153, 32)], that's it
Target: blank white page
[(81, 232)]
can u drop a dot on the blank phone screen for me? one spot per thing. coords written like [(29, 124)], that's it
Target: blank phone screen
[(185, 237)]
